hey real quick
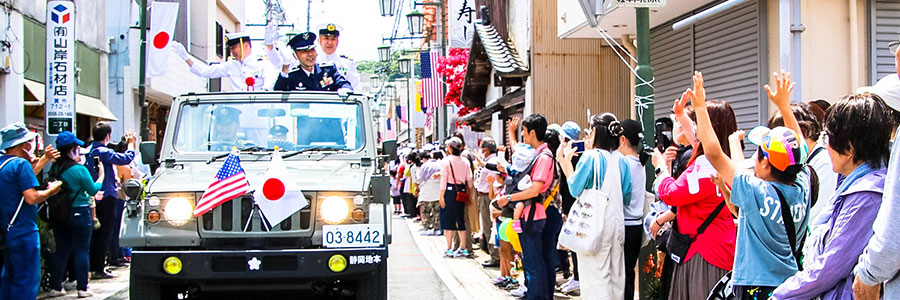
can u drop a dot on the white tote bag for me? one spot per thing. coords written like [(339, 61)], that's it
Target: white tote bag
[(584, 225)]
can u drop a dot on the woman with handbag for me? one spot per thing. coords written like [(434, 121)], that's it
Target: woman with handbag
[(456, 179), (595, 227), (702, 241)]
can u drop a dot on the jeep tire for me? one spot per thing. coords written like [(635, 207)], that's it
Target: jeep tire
[(374, 286)]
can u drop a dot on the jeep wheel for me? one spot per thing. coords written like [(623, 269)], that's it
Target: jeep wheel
[(374, 286), (140, 289)]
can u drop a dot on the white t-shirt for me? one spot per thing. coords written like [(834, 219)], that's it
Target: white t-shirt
[(634, 212), (821, 162)]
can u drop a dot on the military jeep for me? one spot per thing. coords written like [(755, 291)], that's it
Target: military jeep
[(335, 246)]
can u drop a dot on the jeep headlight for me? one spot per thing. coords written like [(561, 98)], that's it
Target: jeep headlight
[(334, 209), (178, 211)]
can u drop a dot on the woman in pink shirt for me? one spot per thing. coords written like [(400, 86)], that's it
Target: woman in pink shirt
[(456, 177)]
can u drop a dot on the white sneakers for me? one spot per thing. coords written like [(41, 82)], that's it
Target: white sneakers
[(61, 293), (570, 286), (519, 292), (69, 285)]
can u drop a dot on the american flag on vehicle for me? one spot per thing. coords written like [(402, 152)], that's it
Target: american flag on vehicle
[(230, 183), (432, 87)]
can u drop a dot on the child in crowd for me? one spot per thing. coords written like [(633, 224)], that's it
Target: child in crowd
[(519, 180)]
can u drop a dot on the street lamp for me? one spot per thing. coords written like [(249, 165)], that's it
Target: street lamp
[(390, 91), (405, 65), (376, 81), (384, 53), (415, 19), (387, 7)]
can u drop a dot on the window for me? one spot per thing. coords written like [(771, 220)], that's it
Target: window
[(220, 40)]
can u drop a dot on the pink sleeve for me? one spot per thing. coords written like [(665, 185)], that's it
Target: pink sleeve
[(445, 173), (543, 171)]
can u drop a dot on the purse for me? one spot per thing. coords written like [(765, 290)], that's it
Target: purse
[(462, 193), (678, 244), (724, 289)]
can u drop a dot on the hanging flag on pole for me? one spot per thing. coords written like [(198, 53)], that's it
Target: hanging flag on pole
[(418, 115), (230, 183), (162, 29), (278, 197), (431, 82), (402, 115)]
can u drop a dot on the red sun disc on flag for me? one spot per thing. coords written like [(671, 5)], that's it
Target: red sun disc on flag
[(160, 40), (273, 189)]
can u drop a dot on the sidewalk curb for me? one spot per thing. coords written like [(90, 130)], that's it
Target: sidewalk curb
[(441, 269)]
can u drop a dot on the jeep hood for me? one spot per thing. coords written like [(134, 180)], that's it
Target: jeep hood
[(326, 175)]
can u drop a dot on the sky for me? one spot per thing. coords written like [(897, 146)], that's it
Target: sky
[(363, 25)]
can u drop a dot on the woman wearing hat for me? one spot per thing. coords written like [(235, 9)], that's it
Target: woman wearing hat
[(18, 212), (73, 238), (455, 176)]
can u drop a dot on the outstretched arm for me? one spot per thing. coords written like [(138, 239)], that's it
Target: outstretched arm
[(780, 95), (723, 165)]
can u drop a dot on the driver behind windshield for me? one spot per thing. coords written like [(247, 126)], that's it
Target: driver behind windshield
[(225, 133), (278, 137)]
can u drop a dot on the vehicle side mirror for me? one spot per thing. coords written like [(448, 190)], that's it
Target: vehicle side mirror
[(390, 149), (148, 152)]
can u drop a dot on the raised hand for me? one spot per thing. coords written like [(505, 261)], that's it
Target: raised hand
[(50, 153), (737, 136), (513, 124), (698, 92), (680, 103), (179, 50), (271, 34), (780, 95)]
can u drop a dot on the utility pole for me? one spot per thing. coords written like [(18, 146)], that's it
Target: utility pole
[(308, 10), (142, 75), (643, 90)]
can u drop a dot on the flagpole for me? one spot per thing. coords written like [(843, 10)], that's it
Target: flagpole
[(142, 75)]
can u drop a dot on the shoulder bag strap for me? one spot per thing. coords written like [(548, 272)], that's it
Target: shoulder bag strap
[(19, 208), (709, 219), (788, 219)]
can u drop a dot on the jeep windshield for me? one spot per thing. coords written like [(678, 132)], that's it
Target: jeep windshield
[(260, 126)]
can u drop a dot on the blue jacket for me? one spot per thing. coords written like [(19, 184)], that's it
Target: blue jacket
[(109, 158), (323, 78)]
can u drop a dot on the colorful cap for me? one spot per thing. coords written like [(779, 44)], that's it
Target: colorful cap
[(66, 138), (780, 145), (572, 130)]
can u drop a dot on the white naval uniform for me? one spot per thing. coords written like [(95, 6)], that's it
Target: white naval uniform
[(347, 67), (239, 72)]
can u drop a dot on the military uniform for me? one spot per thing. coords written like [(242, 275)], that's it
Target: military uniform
[(278, 138), (344, 65), (323, 77), (227, 115), (242, 75)]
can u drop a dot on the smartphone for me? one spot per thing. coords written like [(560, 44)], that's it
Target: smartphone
[(579, 146), (491, 166)]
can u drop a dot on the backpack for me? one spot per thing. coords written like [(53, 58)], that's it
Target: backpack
[(57, 209)]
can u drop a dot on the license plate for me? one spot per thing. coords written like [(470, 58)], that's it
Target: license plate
[(358, 235)]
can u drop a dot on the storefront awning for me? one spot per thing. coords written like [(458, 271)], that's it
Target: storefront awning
[(85, 105), (91, 106), (36, 89), (506, 103)]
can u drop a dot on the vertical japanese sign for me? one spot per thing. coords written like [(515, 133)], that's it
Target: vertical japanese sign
[(462, 17), (60, 98)]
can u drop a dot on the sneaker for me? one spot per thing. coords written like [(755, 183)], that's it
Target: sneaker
[(437, 232), (449, 253), (55, 293), (512, 285), (499, 280), (103, 275), (462, 253), (69, 285), (84, 294), (519, 292), (571, 287)]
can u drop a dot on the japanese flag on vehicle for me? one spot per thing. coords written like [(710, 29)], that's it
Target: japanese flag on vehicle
[(276, 195), (162, 29)]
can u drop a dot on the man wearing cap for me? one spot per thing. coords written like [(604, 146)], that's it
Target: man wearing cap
[(309, 76), (246, 72), (278, 138), (225, 137), (21, 273), (327, 50)]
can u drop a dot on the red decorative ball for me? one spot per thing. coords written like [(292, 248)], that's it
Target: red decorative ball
[(250, 81)]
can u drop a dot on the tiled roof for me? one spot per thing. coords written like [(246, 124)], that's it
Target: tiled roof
[(502, 55)]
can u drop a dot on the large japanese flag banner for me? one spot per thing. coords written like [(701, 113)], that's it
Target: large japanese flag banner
[(276, 195), (162, 30)]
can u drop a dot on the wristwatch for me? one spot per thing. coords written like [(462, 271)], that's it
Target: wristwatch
[(658, 170), (508, 198)]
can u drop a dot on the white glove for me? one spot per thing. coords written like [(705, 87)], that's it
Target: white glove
[(179, 50), (344, 92), (271, 34)]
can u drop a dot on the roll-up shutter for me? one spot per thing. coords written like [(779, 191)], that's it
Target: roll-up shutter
[(885, 25), (730, 52)]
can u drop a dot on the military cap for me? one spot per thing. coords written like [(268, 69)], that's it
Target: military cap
[(330, 29), (225, 114), (303, 41), (278, 130), (236, 37)]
